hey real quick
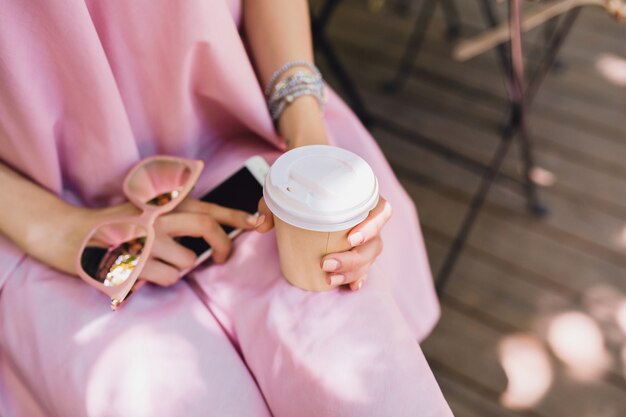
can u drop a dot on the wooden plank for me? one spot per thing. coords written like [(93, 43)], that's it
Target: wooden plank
[(521, 240), (468, 347), (518, 240), (517, 297), (605, 31), (516, 273), (575, 179), (509, 302), (578, 146), (603, 187), (576, 87), (372, 34), (589, 190), (467, 402), (506, 296)]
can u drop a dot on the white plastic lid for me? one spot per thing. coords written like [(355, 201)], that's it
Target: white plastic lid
[(321, 188)]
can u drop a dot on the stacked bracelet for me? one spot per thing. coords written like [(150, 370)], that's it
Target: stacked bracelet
[(281, 93), (284, 68)]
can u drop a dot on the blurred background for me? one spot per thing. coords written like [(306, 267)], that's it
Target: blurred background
[(534, 306)]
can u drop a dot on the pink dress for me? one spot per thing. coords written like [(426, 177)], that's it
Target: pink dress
[(87, 89)]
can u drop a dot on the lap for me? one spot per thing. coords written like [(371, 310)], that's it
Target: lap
[(162, 354), (336, 353)]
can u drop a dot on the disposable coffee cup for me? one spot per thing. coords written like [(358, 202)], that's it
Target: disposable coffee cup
[(317, 194)]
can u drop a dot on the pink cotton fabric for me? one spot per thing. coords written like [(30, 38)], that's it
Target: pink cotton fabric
[(89, 88)]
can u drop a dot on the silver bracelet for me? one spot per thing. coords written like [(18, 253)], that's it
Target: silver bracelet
[(277, 110), (289, 95), (284, 68), (294, 80), (291, 84), (291, 89), (281, 93)]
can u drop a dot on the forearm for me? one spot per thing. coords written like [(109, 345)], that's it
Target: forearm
[(40, 223), (26, 208), (278, 32)]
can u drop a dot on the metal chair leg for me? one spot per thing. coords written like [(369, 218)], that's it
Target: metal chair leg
[(550, 57), (533, 204), (453, 22), (476, 204), (318, 26), (522, 97), (517, 93), (518, 112), (518, 97), (492, 20), (412, 47)]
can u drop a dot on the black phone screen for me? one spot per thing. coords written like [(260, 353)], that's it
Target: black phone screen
[(240, 191)]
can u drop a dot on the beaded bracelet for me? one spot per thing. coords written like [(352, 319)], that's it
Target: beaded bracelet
[(277, 109), (285, 68), (280, 94), (289, 92), (294, 80)]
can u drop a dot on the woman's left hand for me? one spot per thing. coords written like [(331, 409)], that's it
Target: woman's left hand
[(302, 124), (349, 267)]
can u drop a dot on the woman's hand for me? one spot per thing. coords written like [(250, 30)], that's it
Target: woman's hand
[(168, 257), (349, 267), (302, 124), (197, 219)]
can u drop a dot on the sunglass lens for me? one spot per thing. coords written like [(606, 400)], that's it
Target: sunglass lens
[(113, 252), (159, 182)]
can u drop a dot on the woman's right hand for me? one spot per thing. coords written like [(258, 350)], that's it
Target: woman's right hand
[(168, 257), (197, 219), (49, 229)]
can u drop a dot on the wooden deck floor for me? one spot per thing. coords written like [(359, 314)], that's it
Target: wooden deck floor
[(534, 318)]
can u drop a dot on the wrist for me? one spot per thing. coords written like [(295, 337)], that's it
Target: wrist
[(302, 123), (51, 237), (57, 241)]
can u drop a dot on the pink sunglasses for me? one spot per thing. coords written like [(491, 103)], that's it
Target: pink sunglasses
[(115, 251)]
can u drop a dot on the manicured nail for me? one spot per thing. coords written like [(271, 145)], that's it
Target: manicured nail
[(330, 265), (336, 279), (356, 238), (358, 285), (260, 220), (252, 219)]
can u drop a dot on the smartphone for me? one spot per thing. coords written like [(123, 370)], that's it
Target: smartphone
[(242, 191)]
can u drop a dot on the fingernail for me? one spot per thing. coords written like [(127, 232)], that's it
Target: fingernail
[(356, 238), (336, 279), (252, 219), (330, 265), (358, 285), (260, 220)]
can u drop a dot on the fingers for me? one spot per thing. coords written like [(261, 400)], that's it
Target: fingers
[(356, 285), (160, 273), (169, 251), (266, 219), (223, 215), (351, 266), (372, 225), (167, 260), (197, 225)]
